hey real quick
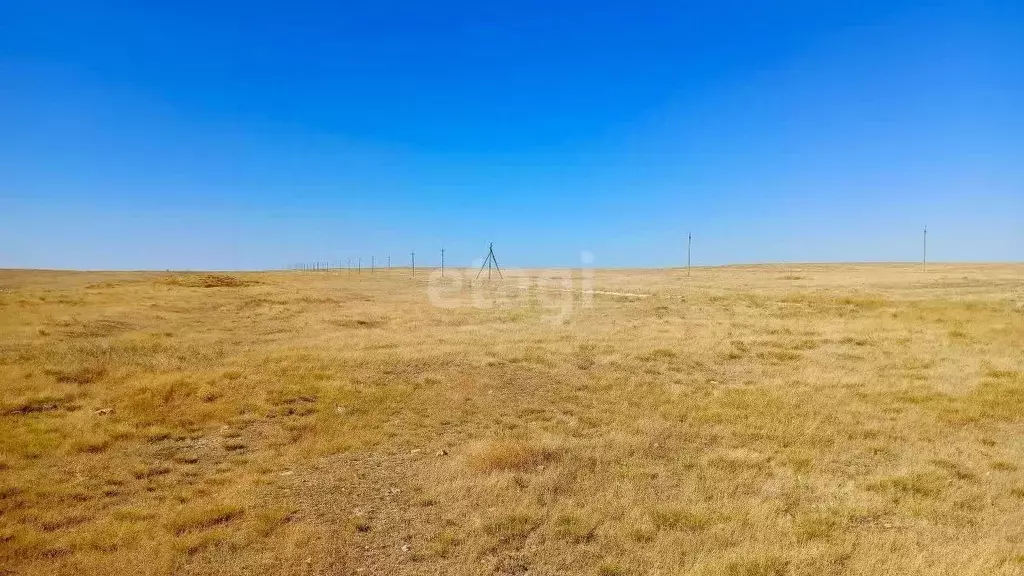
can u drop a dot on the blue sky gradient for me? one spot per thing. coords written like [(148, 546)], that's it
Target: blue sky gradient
[(244, 135)]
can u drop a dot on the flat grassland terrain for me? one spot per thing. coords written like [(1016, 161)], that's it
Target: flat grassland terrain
[(759, 420)]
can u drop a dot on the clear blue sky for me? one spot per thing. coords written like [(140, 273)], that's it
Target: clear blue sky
[(250, 135)]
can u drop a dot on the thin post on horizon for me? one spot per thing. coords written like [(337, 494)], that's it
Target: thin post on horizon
[(413, 256), (442, 262), (924, 249), (689, 242)]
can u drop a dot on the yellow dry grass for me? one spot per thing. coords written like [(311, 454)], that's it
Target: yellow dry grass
[(753, 420)]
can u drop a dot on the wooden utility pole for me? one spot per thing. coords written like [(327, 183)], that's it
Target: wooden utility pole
[(924, 250), (689, 242), (413, 255), (442, 262)]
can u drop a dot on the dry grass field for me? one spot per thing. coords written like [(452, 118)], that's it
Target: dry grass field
[(760, 420)]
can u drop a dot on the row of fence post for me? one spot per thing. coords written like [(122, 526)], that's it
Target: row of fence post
[(346, 266), (327, 267)]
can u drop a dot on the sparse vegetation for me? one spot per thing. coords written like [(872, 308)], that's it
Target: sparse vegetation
[(747, 420), (208, 281)]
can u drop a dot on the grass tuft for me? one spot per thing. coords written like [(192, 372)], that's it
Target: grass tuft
[(203, 517), (512, 455)]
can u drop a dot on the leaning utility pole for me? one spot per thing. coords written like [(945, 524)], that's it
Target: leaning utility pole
[(487, 262)]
